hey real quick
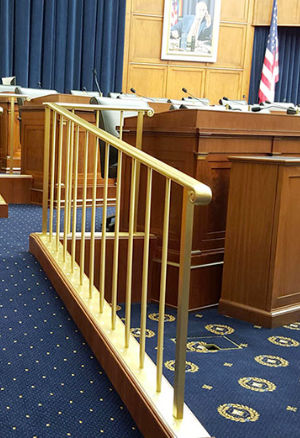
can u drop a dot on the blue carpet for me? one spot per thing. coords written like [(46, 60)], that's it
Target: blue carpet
[(248, 388), (51, 385), (98, 219)]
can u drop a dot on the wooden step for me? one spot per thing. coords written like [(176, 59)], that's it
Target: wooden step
[(3, 207), (16, 189)]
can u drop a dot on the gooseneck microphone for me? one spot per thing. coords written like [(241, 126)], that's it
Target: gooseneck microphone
[(96, 82), (191, 95), (238, 102), (259, 108), (139, 95)]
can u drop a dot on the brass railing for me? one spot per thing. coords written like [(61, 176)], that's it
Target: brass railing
[(72, 262), (141, 112)]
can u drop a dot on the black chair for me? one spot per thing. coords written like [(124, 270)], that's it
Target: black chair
[(109, 121)]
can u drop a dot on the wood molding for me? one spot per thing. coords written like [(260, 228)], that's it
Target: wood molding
[(143, 48), (268, 319), (146, 417), (3, 207), (16, 189), (288, 13)]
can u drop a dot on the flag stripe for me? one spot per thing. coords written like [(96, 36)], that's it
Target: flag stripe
[(270, 70)]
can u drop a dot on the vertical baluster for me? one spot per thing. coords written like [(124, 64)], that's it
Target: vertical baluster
[(93, 221), (71, 176), (183, 302), (130, 252), (138, 145), (46, 169), (52, 175), (139, 130), (12, 134), (83, 215), (116, 244), (67, 192), (74, 223), (58, 193), (103, 239), (163, 277), (145, 268), (121, 124)]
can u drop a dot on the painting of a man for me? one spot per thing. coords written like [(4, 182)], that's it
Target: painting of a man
[(191, 29), (194, 27)]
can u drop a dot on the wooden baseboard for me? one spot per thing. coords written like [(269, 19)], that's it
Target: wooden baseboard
[(151, 411), (3, 207), (272, 319), (142, 412)]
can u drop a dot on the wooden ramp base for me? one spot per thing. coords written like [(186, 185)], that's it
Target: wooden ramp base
[(3, 207), (151, 411), (16, 189)]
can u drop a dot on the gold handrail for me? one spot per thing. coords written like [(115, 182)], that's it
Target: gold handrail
[(199, 193), (194, 193)]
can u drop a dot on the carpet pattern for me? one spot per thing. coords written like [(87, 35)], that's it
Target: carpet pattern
[(51, 385), (242, 381)]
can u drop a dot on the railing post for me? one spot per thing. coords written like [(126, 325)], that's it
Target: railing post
[(163, 286), (183, 302), (12, 134), (52, 173), (138, 145), (46, 169), (139, 130)]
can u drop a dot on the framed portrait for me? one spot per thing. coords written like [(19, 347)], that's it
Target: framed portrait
[(191, 30)]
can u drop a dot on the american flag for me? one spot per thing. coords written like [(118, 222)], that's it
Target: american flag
[(270, 71), (174, 12)]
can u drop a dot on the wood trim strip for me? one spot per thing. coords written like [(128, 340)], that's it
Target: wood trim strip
[(3, 207), (147, 420)]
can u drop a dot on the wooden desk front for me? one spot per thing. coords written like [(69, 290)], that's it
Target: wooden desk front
[(261, 278), (198, 142), (32, 138), (6, 135)]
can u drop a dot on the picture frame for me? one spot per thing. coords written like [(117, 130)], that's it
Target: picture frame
[(191, 30)]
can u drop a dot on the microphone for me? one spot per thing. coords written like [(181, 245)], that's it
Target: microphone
[(84, 89), (256, 109), (97, 83), (239, 102), (191, 95), (233, 109), (289, 110), (139, 95), (39, 84)]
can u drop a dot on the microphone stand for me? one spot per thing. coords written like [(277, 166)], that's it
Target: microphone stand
[(191, 95), (97, 83), (143, 97)]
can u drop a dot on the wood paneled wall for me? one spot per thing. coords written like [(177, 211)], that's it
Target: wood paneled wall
[(150, 76), (229, 76), (288, 12)]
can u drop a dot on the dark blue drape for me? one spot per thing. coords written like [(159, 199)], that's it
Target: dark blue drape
[(58, 44), (288, 86)]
